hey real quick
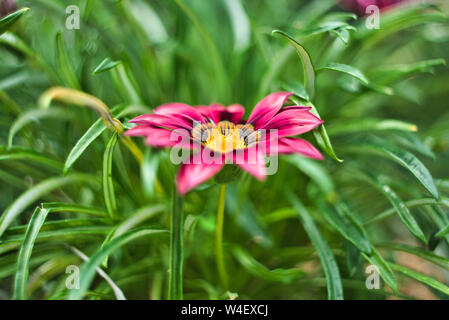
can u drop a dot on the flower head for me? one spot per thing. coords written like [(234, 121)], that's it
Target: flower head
[(219, 133)]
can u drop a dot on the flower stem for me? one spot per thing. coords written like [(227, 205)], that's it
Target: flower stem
[(176, 247), (219, 236)]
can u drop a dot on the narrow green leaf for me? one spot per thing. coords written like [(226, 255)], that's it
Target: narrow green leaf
[(344, 223), (330, 267), (148, 171), (66, 68), (240, 24), (309, 71), (410, 204), (107, 181), (259, 270), (35, 115), (10, 19), (72, 207), (369, 124), (34, 193), (384, 269), (347, 69), (431, 282), (88, 269), (106, 65), (21, 278), (91, 134), (403, 211), (415, 166), (419, 252), (19, 153)]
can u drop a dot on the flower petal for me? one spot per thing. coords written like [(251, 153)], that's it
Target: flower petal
[(163, 121), (191, 175), (267, 108), (180, 110), (251, 160), (159, 137), (217, 112), (296, 145)]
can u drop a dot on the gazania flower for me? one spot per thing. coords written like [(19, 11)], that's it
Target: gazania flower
[(359, 6), (219, 132)]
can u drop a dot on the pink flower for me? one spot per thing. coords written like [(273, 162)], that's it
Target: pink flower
[(219, 131), (359, 6)]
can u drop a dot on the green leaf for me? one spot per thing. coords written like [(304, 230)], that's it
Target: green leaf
[(347, 69), (36, 192), (107, 181), (10, 19), (91, 134), (72, 207), (106, 65), (259, 270), (429, 256), (330, 267), (403, 211), (19, 153), (88, 269), (148, 173), (346, 224), (21, 278), (66, 69), (35, 115), (384, 269), (309, 71), (402, 157), (410, 204), (431, 282), (369, 124), (389, 74), (415, 166), (133, 221)]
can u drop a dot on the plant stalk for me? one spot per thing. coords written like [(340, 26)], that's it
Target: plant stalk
[(219, 236), (176, 247)]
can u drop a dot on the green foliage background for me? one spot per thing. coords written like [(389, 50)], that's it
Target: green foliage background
[(69, 183)]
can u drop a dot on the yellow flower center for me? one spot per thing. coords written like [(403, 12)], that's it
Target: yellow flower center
[(225, 136)]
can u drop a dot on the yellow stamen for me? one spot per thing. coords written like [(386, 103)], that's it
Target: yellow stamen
[(225, 136)]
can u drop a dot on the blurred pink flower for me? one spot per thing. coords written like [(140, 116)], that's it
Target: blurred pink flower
[(7, 7), (220, 130), (359, 6)]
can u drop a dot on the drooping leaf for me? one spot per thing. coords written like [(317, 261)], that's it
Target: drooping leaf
[(9, 20), (309, 71)]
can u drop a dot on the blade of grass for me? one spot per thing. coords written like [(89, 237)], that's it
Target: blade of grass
[(107, 182), (36, 192), (330, 267), (21, 278)]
